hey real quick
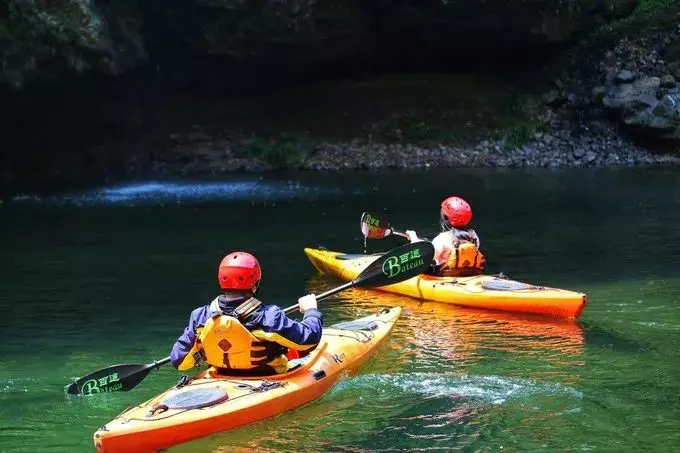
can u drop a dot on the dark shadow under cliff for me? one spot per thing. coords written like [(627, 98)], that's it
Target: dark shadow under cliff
[(407, 70), (86, 129)]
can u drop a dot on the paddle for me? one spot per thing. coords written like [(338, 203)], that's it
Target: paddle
[(116, 378), (394, 266), (375, 227)]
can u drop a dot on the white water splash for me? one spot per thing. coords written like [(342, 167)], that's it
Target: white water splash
[(492, 389), (15, 385)]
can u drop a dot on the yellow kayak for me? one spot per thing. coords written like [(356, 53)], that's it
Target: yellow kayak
[(482, 291), (211, 402)]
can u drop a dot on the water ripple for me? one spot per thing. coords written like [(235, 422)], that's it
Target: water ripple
[(492, 389)]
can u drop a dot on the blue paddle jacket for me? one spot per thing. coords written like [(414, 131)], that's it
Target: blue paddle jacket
[(270, 319)]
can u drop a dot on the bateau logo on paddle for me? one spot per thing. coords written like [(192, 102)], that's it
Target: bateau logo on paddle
[(105, 384), (373, 228), (395, 265), (370, 221)]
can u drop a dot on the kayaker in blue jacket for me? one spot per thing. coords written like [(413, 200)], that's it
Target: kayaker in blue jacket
[(237, 333)]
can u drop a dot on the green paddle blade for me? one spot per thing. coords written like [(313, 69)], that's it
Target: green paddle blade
[(393, 266), (373, 227), (116, 378), (397, 265)]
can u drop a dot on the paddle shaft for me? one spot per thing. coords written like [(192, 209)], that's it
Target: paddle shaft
[(404, 235), (158, 363), (324, 295)]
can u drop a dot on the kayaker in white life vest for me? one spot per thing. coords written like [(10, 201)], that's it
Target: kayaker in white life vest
[(238, 334), (456, 248)]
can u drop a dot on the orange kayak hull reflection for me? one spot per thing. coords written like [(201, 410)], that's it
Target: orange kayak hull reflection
[(210, 403), (482, 291)]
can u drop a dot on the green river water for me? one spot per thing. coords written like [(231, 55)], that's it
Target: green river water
[(110, 276)]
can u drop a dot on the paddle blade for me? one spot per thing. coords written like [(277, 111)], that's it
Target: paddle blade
[(397, 265), (116, 378), (374, 227)]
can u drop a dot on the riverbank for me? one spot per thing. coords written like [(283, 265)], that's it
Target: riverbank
[(613, 99), (400, 122), (209, 149), (596, 147)]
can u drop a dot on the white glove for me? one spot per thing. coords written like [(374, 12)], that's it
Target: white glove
[(307, 302), (413, 237)]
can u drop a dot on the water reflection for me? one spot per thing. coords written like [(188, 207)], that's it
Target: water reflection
[(160, 192), (429, 331)]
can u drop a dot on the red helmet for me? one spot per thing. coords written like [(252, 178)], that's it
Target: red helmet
[(240, 271), (456, 212)]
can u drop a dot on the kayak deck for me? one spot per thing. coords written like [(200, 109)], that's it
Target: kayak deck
[(482, 291), (210, 402)]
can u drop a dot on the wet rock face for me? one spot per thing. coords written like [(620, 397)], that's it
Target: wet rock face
[(68, 36), (42, 38), (641, 87)]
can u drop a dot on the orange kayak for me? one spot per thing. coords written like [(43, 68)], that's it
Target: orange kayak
[(482, 291), (211, 403)]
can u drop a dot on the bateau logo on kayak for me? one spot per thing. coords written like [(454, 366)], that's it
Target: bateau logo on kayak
[(104, 384), (395, 265)]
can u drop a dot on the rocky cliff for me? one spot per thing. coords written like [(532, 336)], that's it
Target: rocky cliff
[(45, 39)]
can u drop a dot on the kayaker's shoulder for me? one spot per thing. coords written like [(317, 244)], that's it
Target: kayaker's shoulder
[(270, 310), (199, 315), (442, 239), (271, 313)]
